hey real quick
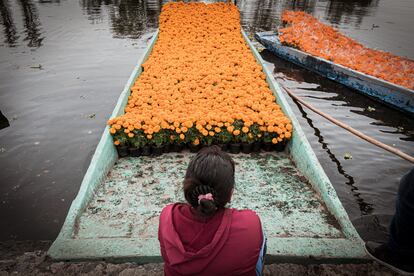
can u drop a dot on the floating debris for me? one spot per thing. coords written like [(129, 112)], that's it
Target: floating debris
[(37, 66), (347, 156)]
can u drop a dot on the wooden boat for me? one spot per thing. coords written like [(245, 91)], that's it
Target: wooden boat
[(393, 95), (115, 214)]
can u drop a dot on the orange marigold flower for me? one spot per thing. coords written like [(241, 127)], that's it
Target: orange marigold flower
[(178, 98)]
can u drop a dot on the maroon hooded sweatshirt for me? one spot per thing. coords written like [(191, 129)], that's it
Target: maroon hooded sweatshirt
[(228, 243)]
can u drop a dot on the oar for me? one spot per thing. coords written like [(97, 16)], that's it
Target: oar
[(350, 129)]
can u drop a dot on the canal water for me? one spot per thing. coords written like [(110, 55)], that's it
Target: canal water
[(64, 63)]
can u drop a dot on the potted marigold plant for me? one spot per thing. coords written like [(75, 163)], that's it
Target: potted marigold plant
[(235, 129), (137, 142), (146, 145), (268, 141), (121, 143), (177, 142), (247, 139), (224, 138), (257, 137), (209, 139), (193, 137), (159, 140)]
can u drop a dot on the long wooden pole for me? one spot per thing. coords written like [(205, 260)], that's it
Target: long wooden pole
[(352, 130)]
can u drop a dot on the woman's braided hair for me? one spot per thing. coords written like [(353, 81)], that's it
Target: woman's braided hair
[(211, 171)]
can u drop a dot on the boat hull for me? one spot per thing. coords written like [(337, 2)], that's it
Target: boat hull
[(83, 236), (395, 96)]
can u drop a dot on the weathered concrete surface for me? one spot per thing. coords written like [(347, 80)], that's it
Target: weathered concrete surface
[(14, 261)]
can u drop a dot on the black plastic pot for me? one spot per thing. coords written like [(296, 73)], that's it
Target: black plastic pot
[(156, 151), (122, 151), (194, 148), (224, 147), (167, 148), (234, 148), (177, 147), (267, 146), (146, 151), (135, 152), (256, 146), (279, 147), (246, 148)]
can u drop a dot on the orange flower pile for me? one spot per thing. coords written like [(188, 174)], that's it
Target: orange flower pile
[(201, 84), (308, 34)]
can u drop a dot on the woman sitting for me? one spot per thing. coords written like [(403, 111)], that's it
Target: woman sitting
[(202, 237)]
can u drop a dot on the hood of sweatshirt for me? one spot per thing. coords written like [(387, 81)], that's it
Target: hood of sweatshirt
[(191, 243)]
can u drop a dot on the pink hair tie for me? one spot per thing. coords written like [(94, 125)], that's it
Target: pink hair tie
[(208, 196)]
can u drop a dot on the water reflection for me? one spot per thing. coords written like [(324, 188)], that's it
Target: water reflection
[(31, 23), (49, 1), (298, 75), (9, 27), (364, 207), (131, 18), (349, 10), (358, 104)]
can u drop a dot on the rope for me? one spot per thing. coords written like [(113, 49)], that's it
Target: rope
[(350, 129)]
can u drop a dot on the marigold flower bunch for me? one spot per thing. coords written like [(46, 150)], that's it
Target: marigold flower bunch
[(200, 85), (306, 33)]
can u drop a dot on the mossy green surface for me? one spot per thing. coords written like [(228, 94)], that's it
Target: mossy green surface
[(129, 201)]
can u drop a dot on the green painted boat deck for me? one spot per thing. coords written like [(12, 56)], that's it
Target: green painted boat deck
[(128, 203), (115, 214)]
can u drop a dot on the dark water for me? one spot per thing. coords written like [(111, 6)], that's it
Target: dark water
[(64, 63)]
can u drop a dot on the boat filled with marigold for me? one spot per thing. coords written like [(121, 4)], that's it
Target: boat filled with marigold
[(201, 85), (305, 32), (200, 82)]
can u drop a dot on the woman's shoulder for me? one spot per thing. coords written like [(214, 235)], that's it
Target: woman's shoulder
[(247, 213), (247, 228), (170, 208), (246, 217)]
